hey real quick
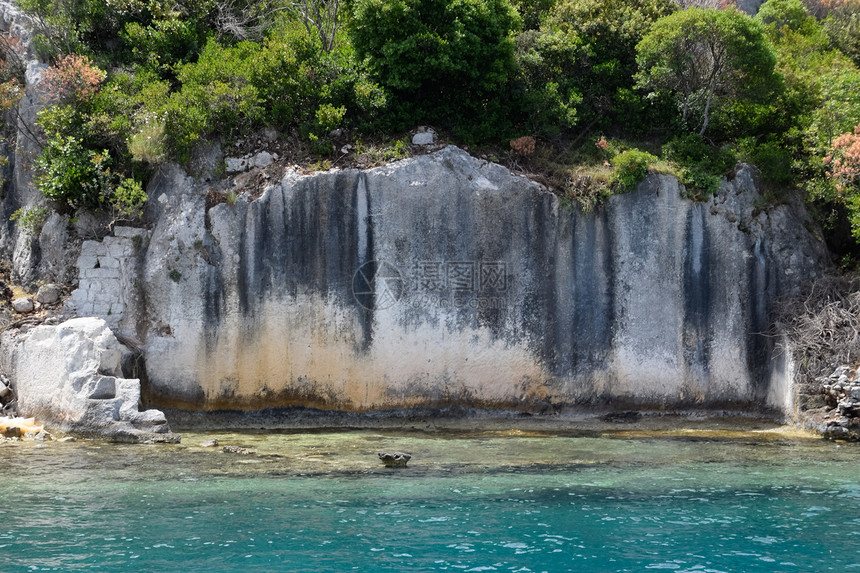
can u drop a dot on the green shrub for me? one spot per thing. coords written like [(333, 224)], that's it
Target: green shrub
[(707, 59), (128, 200), (772, 158), (164, 43), (843, 28), (702, 165), (31, 220), (329, 117), (220, 84), (579, 66), (631, 167), (73, 175)]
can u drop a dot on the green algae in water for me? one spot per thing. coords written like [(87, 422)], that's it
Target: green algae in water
[(477, 502)]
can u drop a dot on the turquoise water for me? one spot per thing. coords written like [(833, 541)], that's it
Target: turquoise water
[(496, 501)]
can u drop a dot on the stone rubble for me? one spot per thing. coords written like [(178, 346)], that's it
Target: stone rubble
[(841, 391), (236, 450), (261, 159), (424, 136), (394, 459)]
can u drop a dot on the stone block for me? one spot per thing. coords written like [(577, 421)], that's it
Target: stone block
[(100, 273), (78, 296), (234, 164), (118, 247), (71, 375), (263, 159), (88, 261), (93, 249), (104, 388), (424, 138), (108, 262), (129, 232)]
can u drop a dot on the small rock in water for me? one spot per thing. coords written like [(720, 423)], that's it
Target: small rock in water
[(235, 450), (39, 436), (68, 439), (394, 459), (209, 443)]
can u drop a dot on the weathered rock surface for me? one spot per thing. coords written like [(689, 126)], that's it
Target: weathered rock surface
[(260, 159), (444, 280), (69, 376)]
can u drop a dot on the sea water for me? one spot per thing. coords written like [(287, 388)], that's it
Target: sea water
[(685, 501)]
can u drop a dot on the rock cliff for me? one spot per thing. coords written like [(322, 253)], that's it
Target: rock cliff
[(444, 280), (437, 281)]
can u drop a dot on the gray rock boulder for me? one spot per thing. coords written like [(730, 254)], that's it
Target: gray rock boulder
[(234, 164), (69, 377), (23, 305), (262, 159), (48, 294)]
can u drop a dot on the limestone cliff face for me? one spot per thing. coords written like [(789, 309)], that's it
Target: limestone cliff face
[(445, 280), (440, 280)]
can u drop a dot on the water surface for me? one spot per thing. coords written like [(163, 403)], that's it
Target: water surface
[(684, 500)]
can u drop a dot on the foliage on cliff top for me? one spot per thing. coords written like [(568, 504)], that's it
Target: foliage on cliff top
[(777, 89)]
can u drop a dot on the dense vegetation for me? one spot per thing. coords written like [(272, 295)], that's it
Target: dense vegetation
[(588, 94)]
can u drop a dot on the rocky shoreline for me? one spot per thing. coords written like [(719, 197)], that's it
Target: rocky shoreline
[(831, 405)]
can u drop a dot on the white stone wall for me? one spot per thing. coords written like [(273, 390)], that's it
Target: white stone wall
[(108, 277)]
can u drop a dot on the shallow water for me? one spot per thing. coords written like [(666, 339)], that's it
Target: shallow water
[(697, 501)]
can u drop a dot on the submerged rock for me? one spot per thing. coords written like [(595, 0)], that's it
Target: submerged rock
[(622, 417), (236, 450)]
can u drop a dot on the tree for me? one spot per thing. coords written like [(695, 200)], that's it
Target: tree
[(702, 56), (843, 28), (583, 57), (442, 59)]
